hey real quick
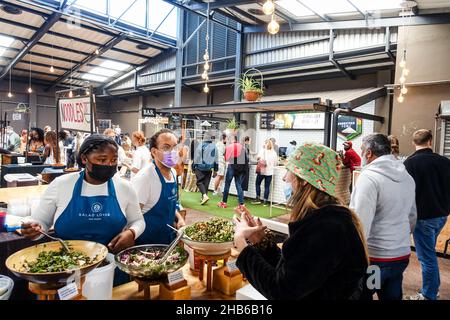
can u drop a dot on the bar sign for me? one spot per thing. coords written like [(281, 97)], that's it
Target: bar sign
[(175, 277), (148, 113)]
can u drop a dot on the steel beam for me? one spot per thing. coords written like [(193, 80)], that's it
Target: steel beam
[(88, 59), (427, 19), (179, 59), (220, 4), (239, 64), (247, 15), (46, 26)]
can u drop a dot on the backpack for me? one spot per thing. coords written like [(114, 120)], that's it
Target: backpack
[(205, 157)]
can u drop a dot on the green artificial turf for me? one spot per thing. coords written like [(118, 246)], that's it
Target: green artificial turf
[(191, 200)]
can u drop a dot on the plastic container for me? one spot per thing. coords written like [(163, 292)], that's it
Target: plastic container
[(99, 282), (6, 287), (2, 221)]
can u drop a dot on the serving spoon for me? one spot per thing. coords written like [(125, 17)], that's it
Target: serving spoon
[(61, 241)]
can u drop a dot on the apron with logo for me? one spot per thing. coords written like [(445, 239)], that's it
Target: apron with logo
[(161, 215), (97, 218)]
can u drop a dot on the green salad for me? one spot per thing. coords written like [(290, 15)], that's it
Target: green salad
[(213, 230), (57, 261)]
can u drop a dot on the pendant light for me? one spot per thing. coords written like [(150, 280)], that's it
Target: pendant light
[(268, 7), (52, 69), (71, 70), (30, 89), (404, 90), (10, 95), (206, 66), (273, 26)]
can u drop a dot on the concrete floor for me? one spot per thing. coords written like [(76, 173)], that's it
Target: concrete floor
[(412, 278)]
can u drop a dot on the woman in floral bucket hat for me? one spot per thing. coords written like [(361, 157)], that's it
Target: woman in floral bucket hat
[(325, 256)]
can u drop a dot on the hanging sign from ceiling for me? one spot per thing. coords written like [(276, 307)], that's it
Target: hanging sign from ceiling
[(148, 113), (349, 127), (75, 114)]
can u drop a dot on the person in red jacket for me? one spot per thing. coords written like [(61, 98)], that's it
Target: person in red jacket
[(351, 158)]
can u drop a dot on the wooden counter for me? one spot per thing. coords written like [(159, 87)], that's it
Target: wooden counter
[(21, 193), (129, 291)]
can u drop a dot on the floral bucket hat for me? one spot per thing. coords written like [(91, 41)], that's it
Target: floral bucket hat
[(318, 165)]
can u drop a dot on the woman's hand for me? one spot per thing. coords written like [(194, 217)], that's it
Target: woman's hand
[(251, 222), (122, 241), (243, 231), (180, 223), (30, 230)]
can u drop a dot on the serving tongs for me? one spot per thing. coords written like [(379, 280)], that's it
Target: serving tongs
[(172, 246), (61, 241)]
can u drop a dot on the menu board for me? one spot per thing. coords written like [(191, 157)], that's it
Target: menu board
[(305, 120)]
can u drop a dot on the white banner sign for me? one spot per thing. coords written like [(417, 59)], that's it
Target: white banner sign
[(311, 120), (75, 114)]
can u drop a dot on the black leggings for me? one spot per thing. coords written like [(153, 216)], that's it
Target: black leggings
[(267, 182)]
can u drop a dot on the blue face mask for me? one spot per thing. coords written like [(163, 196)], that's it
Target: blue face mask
[(288, 190)]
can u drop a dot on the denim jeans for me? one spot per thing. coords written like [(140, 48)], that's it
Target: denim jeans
[(425, 237), (267, 182), (391, 279), (238, 177)]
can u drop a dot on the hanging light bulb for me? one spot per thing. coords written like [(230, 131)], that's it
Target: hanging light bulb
[(30, 90), (206, 56), (10, 95), (403, 63), (206, 88), (402, 79), (405, 72), (88, 92), (70, 94), (268, 7), (52, 70), (97, 52), (400, 98), (404, 90), (206, 66), (273, 27), (205, 75)]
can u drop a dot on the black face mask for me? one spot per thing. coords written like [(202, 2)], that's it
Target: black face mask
[(102, 173)]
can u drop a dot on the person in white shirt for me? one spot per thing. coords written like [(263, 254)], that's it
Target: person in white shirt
[(141, 156), (267, 161), (121, 153), (94, 205), (157, 190)]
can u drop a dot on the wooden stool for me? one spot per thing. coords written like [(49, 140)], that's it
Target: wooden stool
[(50, 291), (144, 285), (226, 282), (209, 261)]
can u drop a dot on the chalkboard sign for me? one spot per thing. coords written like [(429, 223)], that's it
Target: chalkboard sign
[(265, 121), (148, 113), (104, 124)]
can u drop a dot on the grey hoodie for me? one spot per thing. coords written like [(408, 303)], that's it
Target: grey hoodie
[(384, 199)]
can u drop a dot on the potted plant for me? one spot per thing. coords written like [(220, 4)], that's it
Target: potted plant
[(232, 126), (251, 88)]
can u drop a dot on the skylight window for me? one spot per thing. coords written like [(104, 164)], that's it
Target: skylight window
[(93, 77), (5, 42), (119, 66), (329, 7), (97, 5), (103, 72), (371, 5), (294, 7)]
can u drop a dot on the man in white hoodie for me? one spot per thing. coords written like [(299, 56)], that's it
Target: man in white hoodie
[(384, 199)]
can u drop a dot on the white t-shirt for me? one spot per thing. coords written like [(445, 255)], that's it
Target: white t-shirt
[(141, 157), (59, 193), (148, 186), (271, 158)]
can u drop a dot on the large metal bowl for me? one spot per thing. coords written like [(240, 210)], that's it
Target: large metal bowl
[(91, 249), (208, 248), (145, 273)]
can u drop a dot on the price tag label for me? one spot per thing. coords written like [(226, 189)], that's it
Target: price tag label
[(68, 292), (232, 266), (175, 277)]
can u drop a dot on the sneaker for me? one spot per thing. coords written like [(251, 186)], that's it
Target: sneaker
[(205, 199), (222, 205), (266, 203), (257, 201), (417, 297), (215, 194)]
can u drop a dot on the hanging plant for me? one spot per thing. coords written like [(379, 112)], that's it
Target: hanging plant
[(251, 88)]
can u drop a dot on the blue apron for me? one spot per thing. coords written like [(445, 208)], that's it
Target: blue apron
[(161, 215), (97, 219)]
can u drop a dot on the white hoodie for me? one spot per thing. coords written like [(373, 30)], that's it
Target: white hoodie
[(384, 199)]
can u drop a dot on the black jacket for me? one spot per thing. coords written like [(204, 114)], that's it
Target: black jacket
[(323, 259), (431, 172)]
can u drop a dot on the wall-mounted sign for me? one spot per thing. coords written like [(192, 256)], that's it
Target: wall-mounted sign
[(148, 113), (349, 127), (156, 120), (300, 120), (75, 114), (16, 116), (265, 120), (104, 124)]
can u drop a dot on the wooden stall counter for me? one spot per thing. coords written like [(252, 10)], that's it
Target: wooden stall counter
[(199, 291)]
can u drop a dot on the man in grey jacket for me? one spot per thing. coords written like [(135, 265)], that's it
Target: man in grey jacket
[(384, 199)]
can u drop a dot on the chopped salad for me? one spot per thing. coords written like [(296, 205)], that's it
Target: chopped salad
[(214, 230)]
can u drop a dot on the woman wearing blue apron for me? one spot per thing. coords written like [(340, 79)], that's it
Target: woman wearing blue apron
[(157, 190), (94, 205)]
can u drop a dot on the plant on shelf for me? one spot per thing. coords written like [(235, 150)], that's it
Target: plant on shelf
[(251, 88), (233, 125)]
